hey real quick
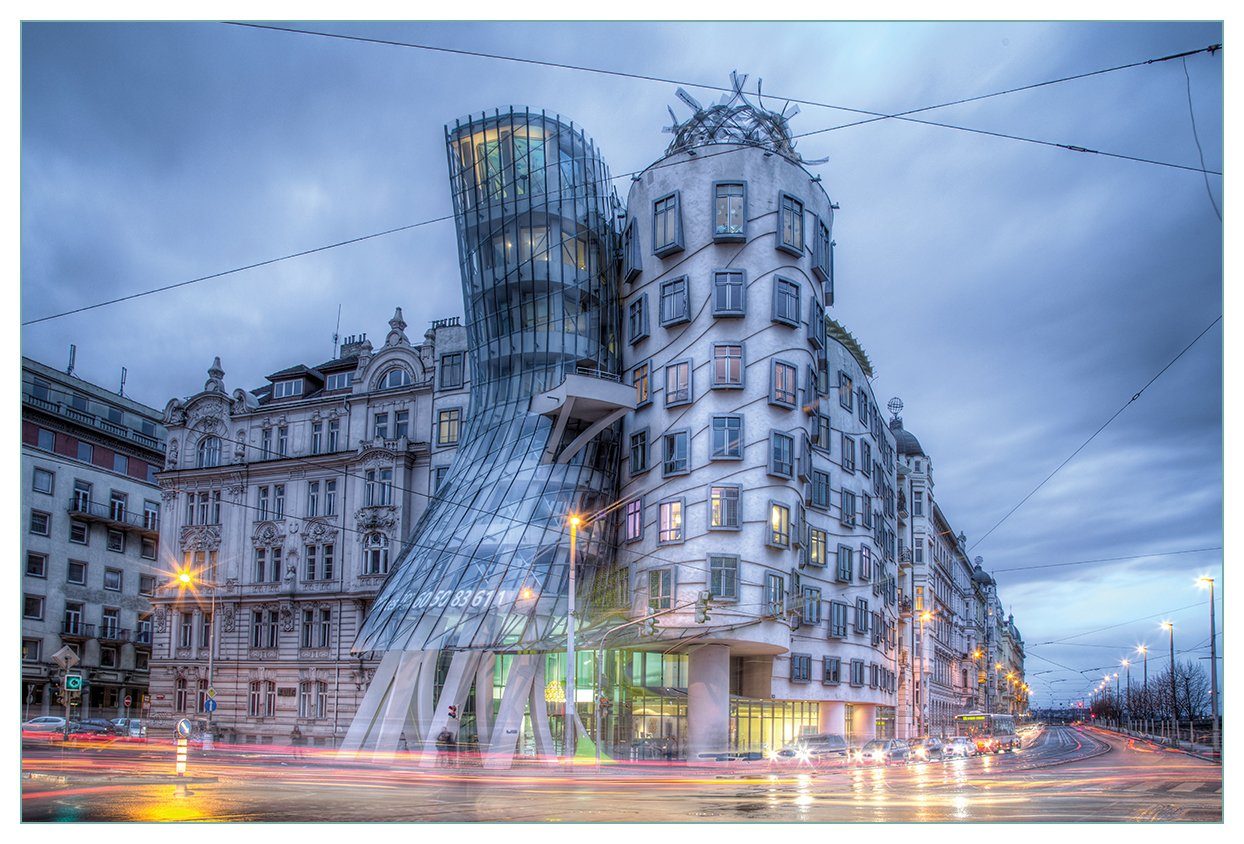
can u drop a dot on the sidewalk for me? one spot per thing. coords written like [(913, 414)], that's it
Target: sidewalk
[(1200, 751)]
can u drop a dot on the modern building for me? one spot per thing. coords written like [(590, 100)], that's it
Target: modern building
[(284, 507), (90, 531)]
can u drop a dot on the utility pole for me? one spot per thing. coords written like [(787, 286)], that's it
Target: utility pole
[(1170, 628), (571, 739)]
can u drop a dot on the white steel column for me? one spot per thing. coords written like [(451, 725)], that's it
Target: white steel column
[(708, 700)]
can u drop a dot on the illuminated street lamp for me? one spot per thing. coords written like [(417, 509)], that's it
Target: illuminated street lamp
[(1205, 581), (186, 579), (1169, 626), (1127, 666), (922, 704), (571, 692), (1143, 650)]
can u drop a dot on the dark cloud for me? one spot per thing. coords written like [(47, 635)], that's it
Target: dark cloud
[(1013, 295)]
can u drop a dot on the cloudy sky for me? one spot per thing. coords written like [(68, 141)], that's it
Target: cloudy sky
[(1013, 295)]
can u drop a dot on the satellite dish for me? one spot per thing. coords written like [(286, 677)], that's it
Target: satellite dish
[(896, 405)]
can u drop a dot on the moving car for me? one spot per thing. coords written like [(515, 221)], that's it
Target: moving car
[(883, 752), (960, 746), (44, 724), (927, 749), (91, 728), (817, 748), (131, 727)]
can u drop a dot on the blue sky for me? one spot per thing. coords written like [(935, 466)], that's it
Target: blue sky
[(1013, 295)]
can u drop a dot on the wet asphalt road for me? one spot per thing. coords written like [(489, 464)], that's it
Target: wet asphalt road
[(1063, 774)]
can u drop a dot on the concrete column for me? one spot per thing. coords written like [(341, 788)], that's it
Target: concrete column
[(708, 700), (833, 718), (865, 722)]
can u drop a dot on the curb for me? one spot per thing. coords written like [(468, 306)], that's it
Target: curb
[(157, 779)]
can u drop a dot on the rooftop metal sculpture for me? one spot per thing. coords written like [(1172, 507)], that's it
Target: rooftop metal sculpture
[(735, 119)]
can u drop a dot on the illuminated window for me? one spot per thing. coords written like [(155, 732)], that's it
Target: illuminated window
[(729, 211), (670, 522)]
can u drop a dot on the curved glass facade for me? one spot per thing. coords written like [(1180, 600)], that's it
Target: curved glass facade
[(486, 567)]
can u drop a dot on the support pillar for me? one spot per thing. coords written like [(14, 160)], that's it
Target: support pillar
[(483, 698), (708, 700), (864, 724), (368, 713), (833, 718), (454, 692), (505, 731)]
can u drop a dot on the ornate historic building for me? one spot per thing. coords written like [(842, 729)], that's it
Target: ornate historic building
[(284, 507)]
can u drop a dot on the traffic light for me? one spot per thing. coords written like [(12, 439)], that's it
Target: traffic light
[(605, 704), (701, 608), (453, 711), (650, 627)]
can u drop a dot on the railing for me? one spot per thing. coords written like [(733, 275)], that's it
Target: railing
[(113, 634), (110, 512), (142, 637), (77, 629), (591, 372), (93, 421)]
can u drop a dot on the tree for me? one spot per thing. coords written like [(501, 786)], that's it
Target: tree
[(1191, 692)]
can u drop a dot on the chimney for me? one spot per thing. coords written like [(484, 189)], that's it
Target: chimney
[(353, 345)]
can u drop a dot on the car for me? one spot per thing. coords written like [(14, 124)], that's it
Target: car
[(816, 748), (883, 752), (131, 727), (44, 724), (927, 749), (960, 746), (91, 728)]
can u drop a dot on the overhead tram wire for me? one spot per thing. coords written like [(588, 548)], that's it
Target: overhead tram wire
[(1103, 427), (875, 116), (1107, 559)]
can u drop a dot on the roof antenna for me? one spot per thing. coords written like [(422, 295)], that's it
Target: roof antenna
[(73, 356), (336, 332), (123, 374)]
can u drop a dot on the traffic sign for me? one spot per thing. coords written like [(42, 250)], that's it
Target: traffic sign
[(183, 728), (128, 701), (209, 705), (65, 658), (73, 682), (211, 692)]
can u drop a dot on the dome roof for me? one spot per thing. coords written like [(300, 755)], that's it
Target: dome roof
[(904, 440), (982, 577)]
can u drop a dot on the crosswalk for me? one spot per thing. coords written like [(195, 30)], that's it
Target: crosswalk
[(1174, 787)]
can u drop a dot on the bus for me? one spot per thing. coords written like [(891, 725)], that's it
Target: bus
[(992, 733)]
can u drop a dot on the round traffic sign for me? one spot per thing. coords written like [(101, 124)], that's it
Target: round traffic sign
[(183, 728), (211, 692), (127, 700), (209, 705)]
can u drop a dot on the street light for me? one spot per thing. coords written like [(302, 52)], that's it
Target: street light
[(1143, 650), (186, 579), (1127, 666), (1169, 626), (1207, 581), (571, 692), (922, 704)]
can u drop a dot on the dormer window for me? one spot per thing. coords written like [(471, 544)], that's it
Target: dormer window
[(337, 381), (394, 378), (286, 389)]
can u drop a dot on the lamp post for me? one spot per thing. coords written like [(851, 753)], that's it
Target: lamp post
[(1213, 661), (1143, 650), (571, 696), (1169, 626), (1127, 666), (1118, 700), (187, 579), (924, 667)]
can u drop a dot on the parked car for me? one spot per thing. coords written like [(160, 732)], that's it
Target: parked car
[(817, 748), (883, 752), (131, 727), (960, 746), (44, 724), (927, 749), (91, 728)]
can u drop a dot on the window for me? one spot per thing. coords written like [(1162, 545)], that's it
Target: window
[(40, 523), (639, 452), (862, 618), (800, 668), (637, 319), (634, 520), (831, 670), (268, 564), (843, 572), (282, 440), (837, 619), (660, 589), (822, 434), (727, 365), (337, 381), (678, 383), (86, 452), (917, 503), (116, 540), (670, 522), (452, 370), (790, 225), (278, 501), (781, 455), (723, 507), (79, 532), (675, 306), (36, 565), (667, 226), (32, 650), (727, 442), (439, 477), (775, 594), (395, 378), (264, 628), (181, 700), (185, 630), (378, 487), (317, 437), (32, 607), (334, 430), (375, 554), (151, 514), (330, 498), (677, 447), (845, 396), (448, 426), (783, 384), (643, 389), (729, 211), (779, 525), (820, 489), (811, 605), (146, 584), (313, 498), (44, 481), (729, 293), (401, 424), (120, 464), (117, 503), (112, 580), (287, 389), (818, 545), (785, 301), (77, 572), (209, 452), (632, 263), (862, 410), (816, 324), (866, 563), (857, 672), (265, 443), (847, 513), (848, 454), (723, 577), (866, 458), (47, 440), (313, 699), (262, 509), (380, 426), (822, 250)]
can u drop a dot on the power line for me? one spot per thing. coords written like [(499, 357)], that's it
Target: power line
[(1107, 559), (1093, 436), (873, 115), (1113, 626), (1197, 138)]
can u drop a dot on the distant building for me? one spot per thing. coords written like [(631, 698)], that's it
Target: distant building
[(285, 507), (90, 533)]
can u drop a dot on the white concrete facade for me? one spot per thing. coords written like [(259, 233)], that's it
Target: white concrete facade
[(294, 500)]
